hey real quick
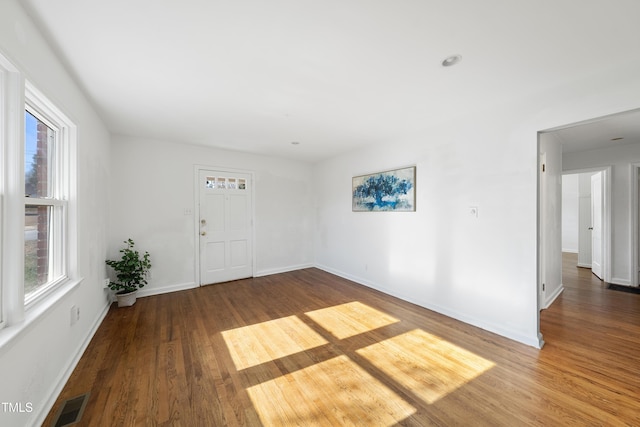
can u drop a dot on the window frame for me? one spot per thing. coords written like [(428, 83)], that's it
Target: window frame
[(15, 316), (61, 192), (3, 136), (11, 134)]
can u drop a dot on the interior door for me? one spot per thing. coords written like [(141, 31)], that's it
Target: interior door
[(584, 221), (596, 224), (226, 247)]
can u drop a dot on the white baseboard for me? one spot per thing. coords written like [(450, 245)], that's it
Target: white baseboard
[(570, 251), (583, 265), (536, 341), (279, 270), (149, 291), (551, 298), (622, 282), (66, 374), (145, 292)]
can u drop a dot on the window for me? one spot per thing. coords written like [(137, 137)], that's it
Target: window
[(223, 183), (38, 201), (47, 177)]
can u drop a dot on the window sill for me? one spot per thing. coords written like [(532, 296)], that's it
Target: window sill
[(31, 316)]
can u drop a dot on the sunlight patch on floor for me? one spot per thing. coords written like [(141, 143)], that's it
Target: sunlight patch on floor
[(425, 364), (334, 392), (353, 318), (263, 342)]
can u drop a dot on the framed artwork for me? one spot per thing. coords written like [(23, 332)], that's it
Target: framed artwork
[(392, 190)]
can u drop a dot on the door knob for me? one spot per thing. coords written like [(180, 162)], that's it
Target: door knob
[(203, 233), (590, 228)]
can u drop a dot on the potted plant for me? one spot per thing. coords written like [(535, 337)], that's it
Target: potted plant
[(131, 274)]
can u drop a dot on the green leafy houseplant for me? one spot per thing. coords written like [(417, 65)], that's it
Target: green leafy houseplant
[(131, 269)]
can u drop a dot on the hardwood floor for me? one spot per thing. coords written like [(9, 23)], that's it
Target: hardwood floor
[(308, 348)]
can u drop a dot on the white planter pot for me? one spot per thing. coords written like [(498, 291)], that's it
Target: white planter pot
[(126, 300)]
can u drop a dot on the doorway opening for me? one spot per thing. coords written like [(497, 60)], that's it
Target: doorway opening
[(610, 145), (599, 144), (634, 273), (550, 247), (583, 218)]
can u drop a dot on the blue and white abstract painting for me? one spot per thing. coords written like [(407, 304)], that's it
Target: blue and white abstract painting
[(385, 191)]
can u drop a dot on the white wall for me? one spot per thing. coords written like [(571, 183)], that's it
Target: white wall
[(154, 184), (551, 224), (440, 256), (570, 213), (482, 271), (620, 159), (36, 362)]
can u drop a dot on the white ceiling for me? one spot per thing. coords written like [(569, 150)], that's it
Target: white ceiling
[(619, 129), (333, 75)]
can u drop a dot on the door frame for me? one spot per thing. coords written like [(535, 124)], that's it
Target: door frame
[(597, 208), (634, 211), (542, 224), (606, 215), (196, 214)]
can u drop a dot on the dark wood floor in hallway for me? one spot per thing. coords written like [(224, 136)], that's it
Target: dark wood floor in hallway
[(308, 348)]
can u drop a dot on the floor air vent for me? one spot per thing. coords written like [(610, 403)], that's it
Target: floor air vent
[(71, 411)]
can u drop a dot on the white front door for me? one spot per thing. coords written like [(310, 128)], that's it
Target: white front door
[(226, 247), (596, 224)]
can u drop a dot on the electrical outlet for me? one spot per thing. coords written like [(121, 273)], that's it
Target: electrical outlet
[(74, 314), (106, 283)]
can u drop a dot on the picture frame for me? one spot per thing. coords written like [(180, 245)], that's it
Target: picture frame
[(391, 190)]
